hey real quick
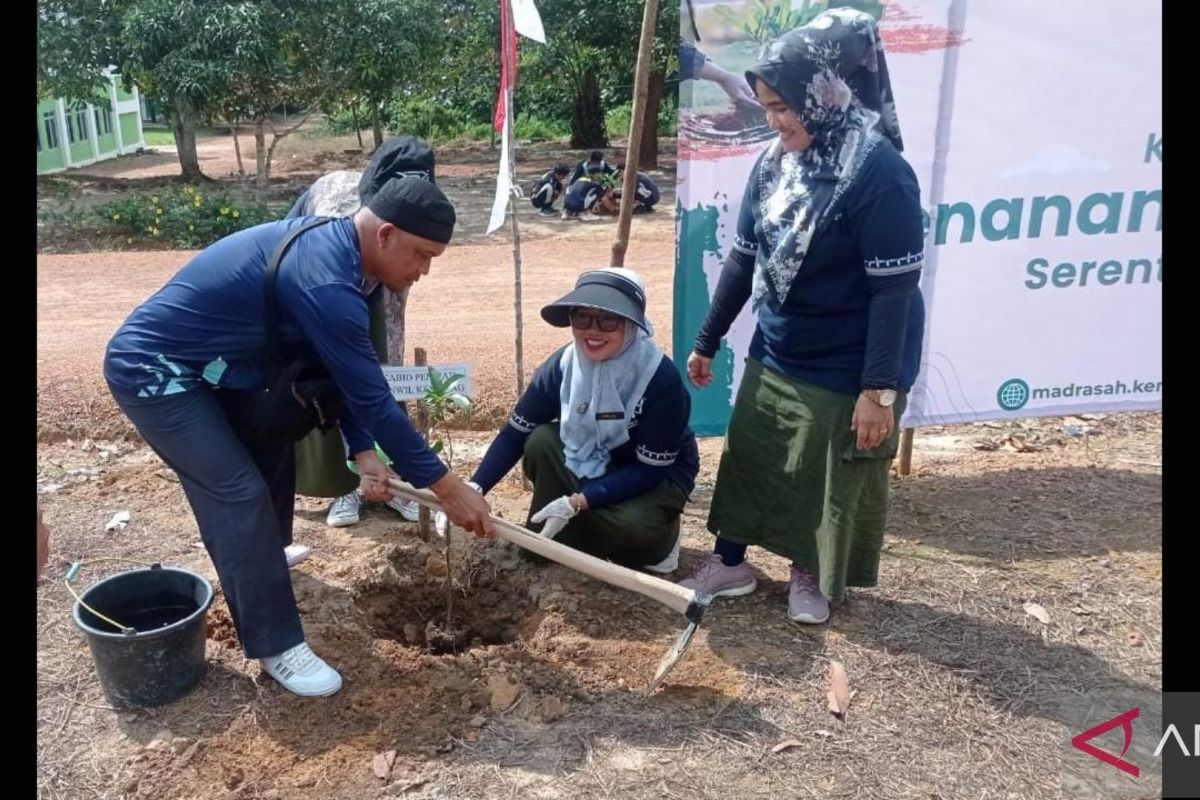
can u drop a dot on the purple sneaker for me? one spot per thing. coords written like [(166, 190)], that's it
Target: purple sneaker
[(715, 579), (805, 601)]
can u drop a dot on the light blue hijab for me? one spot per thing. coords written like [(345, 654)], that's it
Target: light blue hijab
[(599, 398)]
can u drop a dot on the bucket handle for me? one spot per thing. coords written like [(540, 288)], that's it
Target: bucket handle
[(76, 566)]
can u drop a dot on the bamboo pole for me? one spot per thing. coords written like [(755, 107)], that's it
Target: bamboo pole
[(637, 124)]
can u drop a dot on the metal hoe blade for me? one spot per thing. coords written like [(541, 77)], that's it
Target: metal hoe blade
[(695, 614)]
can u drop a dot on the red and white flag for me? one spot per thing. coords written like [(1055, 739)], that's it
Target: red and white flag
[(516, 16)]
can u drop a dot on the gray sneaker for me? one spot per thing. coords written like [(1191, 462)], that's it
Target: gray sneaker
[(715, 579), (805, 602), (344, 511)]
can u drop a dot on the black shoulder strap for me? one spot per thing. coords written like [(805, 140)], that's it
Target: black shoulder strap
[(269, 281)]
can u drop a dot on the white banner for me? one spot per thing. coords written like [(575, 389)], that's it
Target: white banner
[(1035, 130)]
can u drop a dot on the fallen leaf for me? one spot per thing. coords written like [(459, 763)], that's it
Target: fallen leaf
[(785, 744), (1021, 444), (824, 733), (119, 521), (504, 692), (186, 757), (552, 709), (1038, 613), (398, 788), (839, 689), (381, 764)]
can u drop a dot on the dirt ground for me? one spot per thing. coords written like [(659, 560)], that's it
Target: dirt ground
[(959, 691)]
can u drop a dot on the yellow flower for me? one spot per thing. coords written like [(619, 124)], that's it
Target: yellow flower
[(149, 229), (158, 211), (154, 199), (154, 231), (224, 211), (191, 227), (116, 217), (188, 190), (129, 240), (196, 202), (236, 213)]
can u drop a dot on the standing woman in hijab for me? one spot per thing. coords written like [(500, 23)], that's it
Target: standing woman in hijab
[(829, 249), (603, 430)]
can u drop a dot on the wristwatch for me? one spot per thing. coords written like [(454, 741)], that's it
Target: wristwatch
[(881, 397)]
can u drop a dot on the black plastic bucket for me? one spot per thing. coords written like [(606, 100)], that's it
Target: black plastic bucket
[(163, 658)]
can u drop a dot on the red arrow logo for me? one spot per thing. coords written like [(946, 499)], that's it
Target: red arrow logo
[(1125, 721)]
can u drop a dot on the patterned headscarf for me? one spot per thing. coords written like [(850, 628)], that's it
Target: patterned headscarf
[(833, 77), (824, 68)]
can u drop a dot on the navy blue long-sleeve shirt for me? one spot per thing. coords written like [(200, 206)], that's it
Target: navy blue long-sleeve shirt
[(206, 326), (661, 445), (583, 195), (581, 169), (546, 190), (854, 318)]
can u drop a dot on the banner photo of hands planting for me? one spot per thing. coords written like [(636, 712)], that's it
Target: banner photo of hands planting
[(1039, 154)]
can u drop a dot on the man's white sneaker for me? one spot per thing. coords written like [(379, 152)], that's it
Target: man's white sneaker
[(296, 553), (302, 672), (344, 511), (670, 563), (410, 510)]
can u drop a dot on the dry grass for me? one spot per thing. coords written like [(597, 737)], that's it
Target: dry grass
[(958, 692)]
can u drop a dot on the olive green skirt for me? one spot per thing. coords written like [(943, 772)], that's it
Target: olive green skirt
[(321, 469), (793, 481)]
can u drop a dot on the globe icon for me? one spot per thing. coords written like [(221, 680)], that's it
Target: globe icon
[(1013, 394)]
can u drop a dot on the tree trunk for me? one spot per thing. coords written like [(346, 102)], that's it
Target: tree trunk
[(648, 155), (183, 124), (376, 124), (394, 305), (357, 127), (276, 137), (260, 153), (237, 148), (587, 114)]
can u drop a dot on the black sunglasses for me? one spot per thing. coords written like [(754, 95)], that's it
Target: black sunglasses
[(583, 320)]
